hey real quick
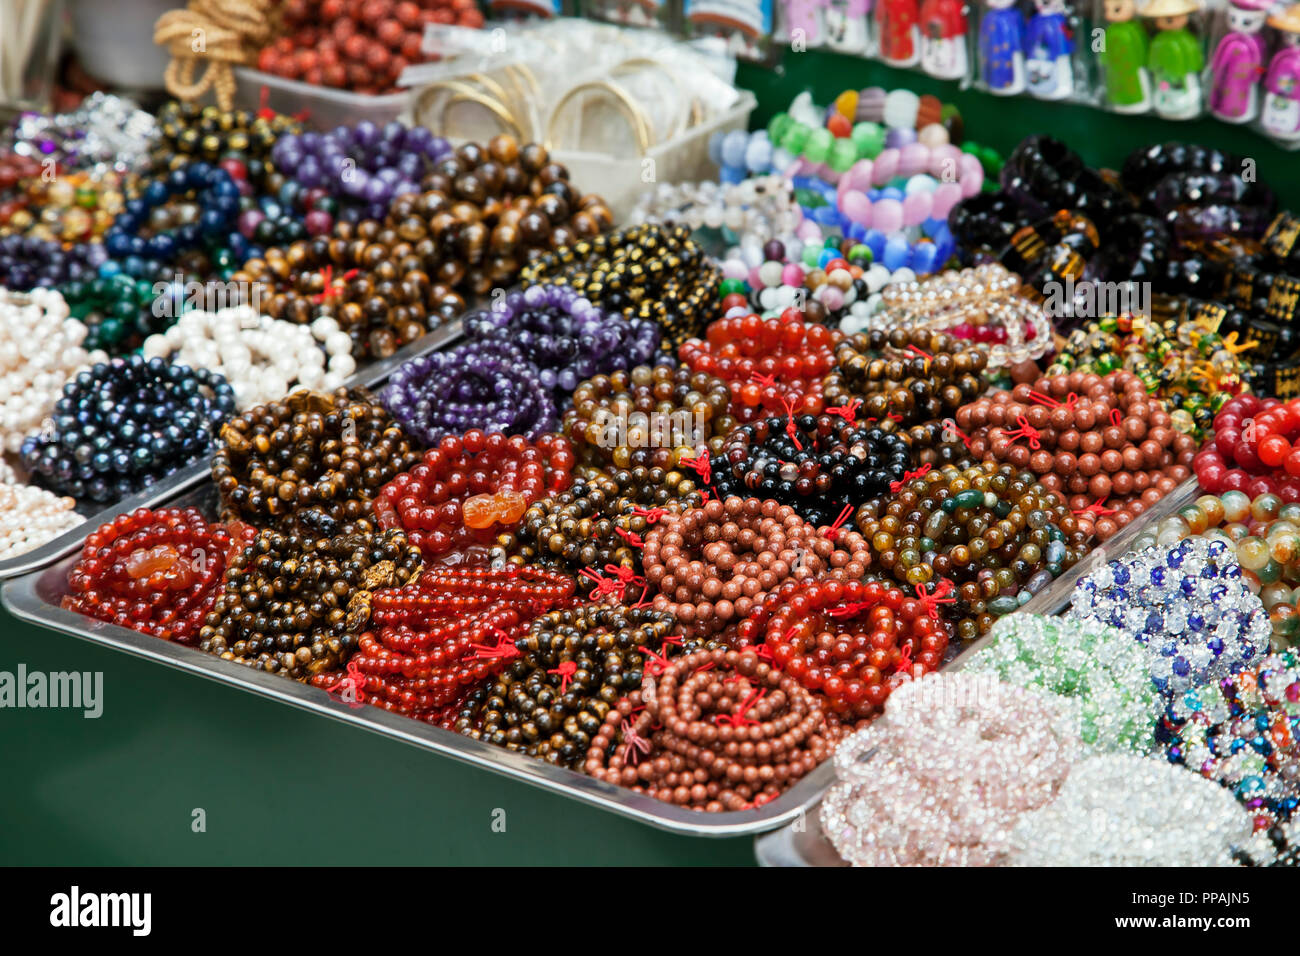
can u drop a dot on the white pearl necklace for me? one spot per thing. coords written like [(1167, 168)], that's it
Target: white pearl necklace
[(31, 516), (40, 349), (261, 357)]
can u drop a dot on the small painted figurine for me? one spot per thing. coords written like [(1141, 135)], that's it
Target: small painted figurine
[(1281, 116), (1048, 46), (943, 38), (846, 26), (1238, 63), (1124, 59), (1175, 59), (1002, 43), (897, 32), (804, 23)]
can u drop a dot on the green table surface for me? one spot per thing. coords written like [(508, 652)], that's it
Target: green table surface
[(279, 786)]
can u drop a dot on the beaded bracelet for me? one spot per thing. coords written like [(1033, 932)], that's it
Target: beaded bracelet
[(941, 778), (646, 271), (41, 347), (438, 637), (1186, 604), (564, 335), (1104, 671), (595, 525), (711, 566), (489, 385), (72, 208), (817, 465), (262, 358), (851, 643), (914, 377), (31, 516), (982, 305), (994, 531), (127, 565), (1246, 431), (1241, 732), (466, 486), (570, 669), (1130, 810), (294, 604), (1090, 439), (383, 288), (125, 424), (650, 417), (770, 365), (1264, 535), (311, 460), (829, 278), (1193, 369), (720, 730)]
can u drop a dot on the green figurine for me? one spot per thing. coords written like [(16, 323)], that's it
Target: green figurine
[(1175, 59), (1124, 58)]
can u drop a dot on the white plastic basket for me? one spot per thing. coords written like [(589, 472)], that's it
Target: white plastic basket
[(325, 107)]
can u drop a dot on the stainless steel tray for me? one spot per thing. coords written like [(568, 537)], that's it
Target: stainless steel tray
[(191, 475), (36, 597)]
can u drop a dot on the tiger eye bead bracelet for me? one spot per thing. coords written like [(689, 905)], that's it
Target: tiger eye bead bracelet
[(992, 529), (911, 376), (817, 465), (598, 522), (494, 209), (648, 416), (365, 281), (1102, 443), (573, 666), (771, 365), (711, 566), (435, 639), (720, 730), (312, 458), (295, 605), (648, 271), (156, 572), (469, 488)]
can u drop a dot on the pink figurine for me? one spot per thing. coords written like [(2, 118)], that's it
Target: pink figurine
[(1238, 63), (1281, 118)]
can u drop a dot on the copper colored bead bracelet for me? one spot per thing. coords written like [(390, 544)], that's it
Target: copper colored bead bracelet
[(710, 566), (720, 730)]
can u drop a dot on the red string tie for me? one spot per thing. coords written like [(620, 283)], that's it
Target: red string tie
[(504, 649), (264, 110), (847, 412), (566, 670), (767, 381), (904, 659), (942, 595), (833, 531), (896, 486), (1096, 508), (353, 681), (738, 719), (1042, 399), (631, 537), (699, 465), (950, 425), (655, 663), (852, 609), (633, 743), (331, 289), (919, 354), (1116, 418), (1025, 430), (651, 515), (790, 428), (604, 586)]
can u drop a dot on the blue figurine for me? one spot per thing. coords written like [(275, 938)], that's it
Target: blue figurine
[(1002, 58), (1048, 47)]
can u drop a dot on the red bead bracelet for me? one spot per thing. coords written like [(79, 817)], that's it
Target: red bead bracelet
[(156, 572)]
